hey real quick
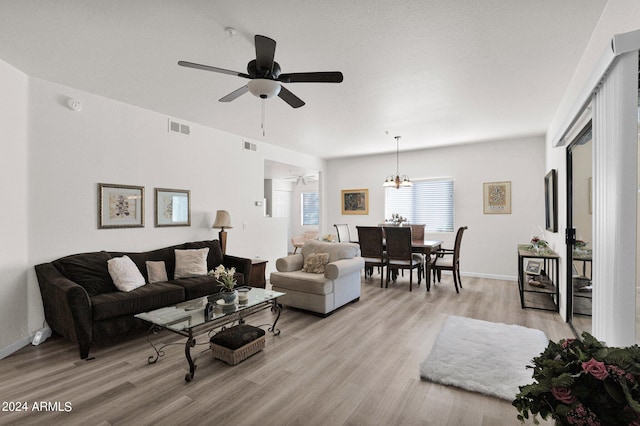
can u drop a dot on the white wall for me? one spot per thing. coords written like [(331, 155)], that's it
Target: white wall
[(53, 158), (489, 245), (619, 16), (14, 312)]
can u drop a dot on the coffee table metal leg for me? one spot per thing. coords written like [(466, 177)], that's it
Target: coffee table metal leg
[(275, 307), (191, 342)]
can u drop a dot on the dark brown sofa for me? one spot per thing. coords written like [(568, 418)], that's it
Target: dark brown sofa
[(82, 304)]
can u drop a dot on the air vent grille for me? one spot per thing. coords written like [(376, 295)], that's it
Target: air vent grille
[(249, 146), (176, 127)]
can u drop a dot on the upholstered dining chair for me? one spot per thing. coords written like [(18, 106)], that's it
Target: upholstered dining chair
[(449, 260), (344, 236), (299, 240), (400, 254), (371, 249)]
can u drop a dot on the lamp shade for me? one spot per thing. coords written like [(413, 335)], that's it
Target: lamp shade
[(223, 220)]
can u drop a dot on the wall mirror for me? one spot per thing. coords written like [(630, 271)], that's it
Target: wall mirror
[(551, 200)]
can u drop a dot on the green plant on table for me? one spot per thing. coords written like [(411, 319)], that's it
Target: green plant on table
[(226, 277)]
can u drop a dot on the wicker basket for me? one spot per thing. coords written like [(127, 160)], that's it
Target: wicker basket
[(233, 357)]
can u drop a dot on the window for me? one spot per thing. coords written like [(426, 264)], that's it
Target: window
[(310, 208), (427, 201)]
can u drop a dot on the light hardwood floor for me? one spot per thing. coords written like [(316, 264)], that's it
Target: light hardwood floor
[(359, 366)]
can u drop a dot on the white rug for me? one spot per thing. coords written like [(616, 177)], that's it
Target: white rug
[(482, 356)]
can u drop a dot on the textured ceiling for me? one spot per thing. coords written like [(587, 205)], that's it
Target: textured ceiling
[(434, 72)]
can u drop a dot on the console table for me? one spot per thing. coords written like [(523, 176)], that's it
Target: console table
[(546, 298), (257, 276)]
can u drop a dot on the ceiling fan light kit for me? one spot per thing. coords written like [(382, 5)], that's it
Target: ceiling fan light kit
[(264, 88)]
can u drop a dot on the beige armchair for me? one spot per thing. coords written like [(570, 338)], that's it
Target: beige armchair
[(299, 240)]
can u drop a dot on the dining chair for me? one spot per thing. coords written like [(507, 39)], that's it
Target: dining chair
[(371, 250), (342, 229), (449, 260), (400, 254), (299, 240)]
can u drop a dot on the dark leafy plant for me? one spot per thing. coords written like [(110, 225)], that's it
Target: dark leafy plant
[(583, 382)]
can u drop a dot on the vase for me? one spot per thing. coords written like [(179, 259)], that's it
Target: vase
[(230, 296)]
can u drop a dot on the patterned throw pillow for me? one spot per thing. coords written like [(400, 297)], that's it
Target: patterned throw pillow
[(315, 263)]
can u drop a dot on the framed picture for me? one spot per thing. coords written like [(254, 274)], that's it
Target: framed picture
[(497, 197), (534, 267), (355, 201), (551, 201), (173, 207), (120, 206)]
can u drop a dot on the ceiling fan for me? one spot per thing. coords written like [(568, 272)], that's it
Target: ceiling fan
[(266, 77), (302, 179)]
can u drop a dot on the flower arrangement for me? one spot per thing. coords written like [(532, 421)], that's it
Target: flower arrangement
[(580, 244), (329, 238), (225, 277), (583, 382)]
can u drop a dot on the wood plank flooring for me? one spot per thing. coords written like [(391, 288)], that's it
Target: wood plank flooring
[(359, 366)]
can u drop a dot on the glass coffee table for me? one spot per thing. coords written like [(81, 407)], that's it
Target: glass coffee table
[(189, 319)]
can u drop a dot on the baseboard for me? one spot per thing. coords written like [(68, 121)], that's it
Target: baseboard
[(489, 276), (14, 347)]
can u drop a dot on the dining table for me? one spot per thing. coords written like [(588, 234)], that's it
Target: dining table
[(426, 248)]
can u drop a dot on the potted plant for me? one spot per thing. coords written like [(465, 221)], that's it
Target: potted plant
[(226, 278), (583, 382)]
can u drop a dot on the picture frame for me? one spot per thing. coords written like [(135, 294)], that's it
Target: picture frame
[(497, 197), (120, 206), (173, 207), (534, 267), (551, 201), (355, 201)]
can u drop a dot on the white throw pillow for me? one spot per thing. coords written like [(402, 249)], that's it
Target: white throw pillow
[(157, 271), (125, 274), (191, 263)]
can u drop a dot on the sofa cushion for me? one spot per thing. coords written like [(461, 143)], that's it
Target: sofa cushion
[(302, 281), (315, 263), (142, 299), (197, 286), (191, 263), (215, 257), (164, 254), (125, 274), (88, 270), (156, 271), (336, 251)]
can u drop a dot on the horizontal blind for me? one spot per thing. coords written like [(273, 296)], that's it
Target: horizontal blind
[(429, 202), (310, 208)]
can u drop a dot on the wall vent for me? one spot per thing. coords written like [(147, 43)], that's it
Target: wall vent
[(176, 127), (249, 146)]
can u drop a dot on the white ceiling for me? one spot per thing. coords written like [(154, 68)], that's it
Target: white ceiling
[(434, 72)]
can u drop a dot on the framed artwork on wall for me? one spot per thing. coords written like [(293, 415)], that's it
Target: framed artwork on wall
[(120, 206), (173, 207), (497, 197), (551, 201), (355, 201)]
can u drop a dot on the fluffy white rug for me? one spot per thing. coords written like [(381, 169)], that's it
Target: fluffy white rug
[(482, 356)]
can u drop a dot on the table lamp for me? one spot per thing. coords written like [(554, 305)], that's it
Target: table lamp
[(222, 221)]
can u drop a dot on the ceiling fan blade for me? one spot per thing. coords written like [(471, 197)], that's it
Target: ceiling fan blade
[(235, 94), (265, 52), (312, 77), (290, 98), (210, 68)]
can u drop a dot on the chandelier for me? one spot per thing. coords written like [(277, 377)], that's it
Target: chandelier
[(396, 180)]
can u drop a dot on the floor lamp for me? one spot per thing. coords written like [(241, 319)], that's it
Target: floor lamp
[(222, 221)]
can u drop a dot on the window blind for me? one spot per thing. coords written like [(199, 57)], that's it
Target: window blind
[(310, 208), (427, 201)]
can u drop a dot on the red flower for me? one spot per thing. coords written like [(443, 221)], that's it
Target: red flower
[(596, 368), (563, 395)]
